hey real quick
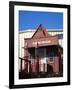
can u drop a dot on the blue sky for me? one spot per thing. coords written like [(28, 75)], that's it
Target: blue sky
[(32, 19)]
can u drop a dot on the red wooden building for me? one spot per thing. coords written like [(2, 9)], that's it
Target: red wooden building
[(42, 53)]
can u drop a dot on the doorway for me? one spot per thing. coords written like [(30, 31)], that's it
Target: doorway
[(42, 57)]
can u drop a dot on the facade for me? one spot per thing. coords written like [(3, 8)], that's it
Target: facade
[(41, 51)]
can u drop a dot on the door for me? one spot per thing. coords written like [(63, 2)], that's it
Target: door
[(42, 58)]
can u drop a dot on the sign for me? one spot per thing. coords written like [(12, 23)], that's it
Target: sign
[(41, 42)]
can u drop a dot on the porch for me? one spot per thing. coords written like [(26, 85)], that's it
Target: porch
[(42, 61)]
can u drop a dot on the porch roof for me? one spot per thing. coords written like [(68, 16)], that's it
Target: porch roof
[(30, 43)]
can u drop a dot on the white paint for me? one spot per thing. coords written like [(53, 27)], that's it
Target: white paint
[(41, 42), (43, 9)]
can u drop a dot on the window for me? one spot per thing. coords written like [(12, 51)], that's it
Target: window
[(51, 56)]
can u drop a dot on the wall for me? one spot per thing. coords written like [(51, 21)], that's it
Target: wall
[(4, 44)]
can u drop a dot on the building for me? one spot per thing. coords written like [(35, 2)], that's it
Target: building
[(41, 51)]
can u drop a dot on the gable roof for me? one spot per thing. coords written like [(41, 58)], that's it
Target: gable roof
[(41, 38), (41, 32)]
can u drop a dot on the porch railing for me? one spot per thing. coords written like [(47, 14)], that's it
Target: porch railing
[(30, 65)]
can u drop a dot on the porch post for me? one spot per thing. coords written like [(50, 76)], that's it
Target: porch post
[(21, 65), (37, 64), (59, 60), (26, 64), (36, 60)]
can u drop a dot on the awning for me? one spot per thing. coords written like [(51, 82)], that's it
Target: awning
[(31, 43)]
